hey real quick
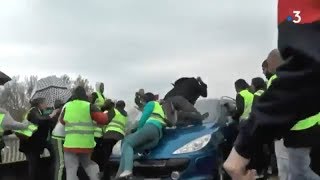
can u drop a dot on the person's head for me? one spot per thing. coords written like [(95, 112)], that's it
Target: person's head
[(240, 85), (109, 104), (120, 104), (79, 93), (147, 97), (258, 84), (58, 104), (271, 64), (100, 87), (40, 103)]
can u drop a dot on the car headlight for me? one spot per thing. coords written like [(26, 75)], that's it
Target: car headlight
[(116, 151), (194, 145)]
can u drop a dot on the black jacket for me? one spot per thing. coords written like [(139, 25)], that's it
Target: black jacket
[(38, 140), (240, 107), (189, 88)]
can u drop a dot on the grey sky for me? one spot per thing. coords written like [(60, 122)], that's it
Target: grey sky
[(140, 43)]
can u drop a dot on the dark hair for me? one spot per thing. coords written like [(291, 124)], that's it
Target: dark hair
[(148, 97), (120, 104), (58, 104), (259, 83), (36, 102), (79, 93), (241, 84), (265, 64)]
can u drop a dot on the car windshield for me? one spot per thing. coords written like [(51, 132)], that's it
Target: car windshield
[(213, 107)]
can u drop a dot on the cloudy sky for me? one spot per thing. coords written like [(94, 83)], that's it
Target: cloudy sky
[(138, 43)]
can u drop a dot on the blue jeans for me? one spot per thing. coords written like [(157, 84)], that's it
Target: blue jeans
[(143, 139), (299, 164)]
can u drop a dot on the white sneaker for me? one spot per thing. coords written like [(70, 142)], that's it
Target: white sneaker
[(125, 173)]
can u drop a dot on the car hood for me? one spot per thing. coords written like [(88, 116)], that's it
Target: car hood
[(175, 138)]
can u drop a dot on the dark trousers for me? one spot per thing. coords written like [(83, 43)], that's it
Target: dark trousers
[(97, 155), (187, 112), (33, 159), (107, 145), (102, 153)]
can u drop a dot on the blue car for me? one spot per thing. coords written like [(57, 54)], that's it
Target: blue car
[(194, 152)]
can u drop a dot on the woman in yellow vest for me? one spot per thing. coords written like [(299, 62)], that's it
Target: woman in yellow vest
[(34, 146), (77, 117), (244, 100), (146, 137)]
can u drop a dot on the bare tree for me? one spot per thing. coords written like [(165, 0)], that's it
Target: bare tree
[(30, 83), (14, 99), (80, 81), (66, 79)]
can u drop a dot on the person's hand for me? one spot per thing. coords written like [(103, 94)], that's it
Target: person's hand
[(54, 112), (199, 79), (235, 166), (25, 123)]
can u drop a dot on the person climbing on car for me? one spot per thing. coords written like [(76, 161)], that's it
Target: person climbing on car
[(113, 132), (244, 100), (146, 137), (183, 96)]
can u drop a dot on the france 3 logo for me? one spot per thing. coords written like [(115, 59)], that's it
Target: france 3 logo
[(295, 18)]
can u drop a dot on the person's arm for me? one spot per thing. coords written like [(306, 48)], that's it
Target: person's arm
[(111, 114), (137, 100), (94, 97), (37, 118), (147, 111), (255, 99), (98, 116), (240, 107), (60, 118), (203, 88)]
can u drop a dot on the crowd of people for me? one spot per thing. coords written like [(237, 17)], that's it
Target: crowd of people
[(287, 113), (83, 131)]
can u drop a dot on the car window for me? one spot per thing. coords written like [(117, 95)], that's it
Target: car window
[(217, 112)]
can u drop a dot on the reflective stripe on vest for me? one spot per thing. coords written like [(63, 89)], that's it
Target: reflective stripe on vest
[(259, 92), (305, 123), (79, 127), (98, 131), (1, 119), (118, 123), (248, 99), (157, 113), (32, 128), (27, 113), (100, 100), (271, 80)]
